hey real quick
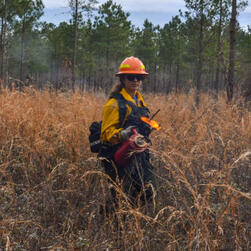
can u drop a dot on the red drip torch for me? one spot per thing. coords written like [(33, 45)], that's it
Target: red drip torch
[(134, 145)]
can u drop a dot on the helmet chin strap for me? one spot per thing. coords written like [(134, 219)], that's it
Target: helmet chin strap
[(122, 81), (123, 85)]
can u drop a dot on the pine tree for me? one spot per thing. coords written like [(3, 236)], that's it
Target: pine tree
[(28, 11), (77, 7)]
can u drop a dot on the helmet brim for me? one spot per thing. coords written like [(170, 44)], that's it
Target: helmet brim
[(131, 72)]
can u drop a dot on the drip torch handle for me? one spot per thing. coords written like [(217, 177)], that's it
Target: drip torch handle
[(154, 114)]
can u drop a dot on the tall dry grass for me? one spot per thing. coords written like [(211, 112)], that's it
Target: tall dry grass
[(52, 186)]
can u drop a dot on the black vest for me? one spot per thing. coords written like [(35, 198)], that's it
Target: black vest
[(133, 118)]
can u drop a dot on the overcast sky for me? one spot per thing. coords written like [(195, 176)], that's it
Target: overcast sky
[(157, 11)]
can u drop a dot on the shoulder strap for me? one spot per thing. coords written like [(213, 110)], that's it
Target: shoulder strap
[(122, 106)]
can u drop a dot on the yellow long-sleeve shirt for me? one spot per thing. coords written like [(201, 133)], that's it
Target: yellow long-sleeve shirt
[(110, 131)]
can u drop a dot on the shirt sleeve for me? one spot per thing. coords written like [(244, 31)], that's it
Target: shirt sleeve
[(110, 122)]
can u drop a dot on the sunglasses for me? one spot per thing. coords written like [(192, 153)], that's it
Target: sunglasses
[(137, 77)]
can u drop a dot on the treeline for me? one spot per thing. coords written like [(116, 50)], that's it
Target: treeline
[(203, 47)]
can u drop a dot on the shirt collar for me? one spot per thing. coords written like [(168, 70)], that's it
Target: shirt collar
[(128, 97)]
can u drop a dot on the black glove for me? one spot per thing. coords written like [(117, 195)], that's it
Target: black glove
[(126, 133), (145, 129)]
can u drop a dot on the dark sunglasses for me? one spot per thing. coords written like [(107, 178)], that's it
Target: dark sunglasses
[(132, 77)]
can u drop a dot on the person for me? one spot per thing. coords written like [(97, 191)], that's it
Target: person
[(137, 178)]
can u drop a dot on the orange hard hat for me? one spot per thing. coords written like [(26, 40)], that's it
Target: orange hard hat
[(132, 65)]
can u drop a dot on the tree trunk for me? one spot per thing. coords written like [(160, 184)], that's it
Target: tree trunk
[(230, 86), (177, 77), (75, 45), (2, 46), (200, 56), (155, 79), (3, 39), (22, 50), (107, 54), (216, 85), (170, 77)]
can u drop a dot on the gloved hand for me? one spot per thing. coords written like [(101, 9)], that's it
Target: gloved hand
[(126, 133)]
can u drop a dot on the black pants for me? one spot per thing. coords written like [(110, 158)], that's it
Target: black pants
[(137, 179)]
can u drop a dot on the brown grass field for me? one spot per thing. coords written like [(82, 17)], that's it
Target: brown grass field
[(51, 185)]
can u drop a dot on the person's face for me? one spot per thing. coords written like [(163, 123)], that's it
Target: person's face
[(132, 82)]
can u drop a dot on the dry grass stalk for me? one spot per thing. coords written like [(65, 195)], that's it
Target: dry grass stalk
[(52, 186)]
